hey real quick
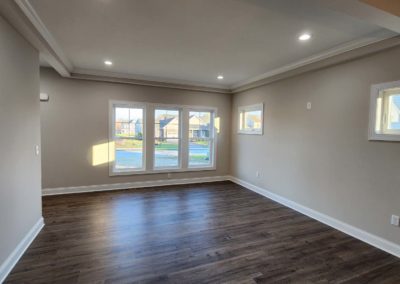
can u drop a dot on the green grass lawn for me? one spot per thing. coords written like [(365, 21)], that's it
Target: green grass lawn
[(129, 144), (138, 144), (198, 157), (166, 146), (200, 142)]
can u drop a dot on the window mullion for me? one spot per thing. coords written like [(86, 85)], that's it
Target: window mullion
[(185, 138), (149, 137)]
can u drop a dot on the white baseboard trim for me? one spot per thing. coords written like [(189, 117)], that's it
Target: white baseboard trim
[(355, 232), (129, 185), (16, 254)]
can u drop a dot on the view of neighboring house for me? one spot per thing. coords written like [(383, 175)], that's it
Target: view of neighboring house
[(168, 127), (132, 128), (198, 127), (200, 141)]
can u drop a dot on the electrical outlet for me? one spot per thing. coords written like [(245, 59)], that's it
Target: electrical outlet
[(257, 174), (37, 151), (395, 220), (309, 105), (169, 175)]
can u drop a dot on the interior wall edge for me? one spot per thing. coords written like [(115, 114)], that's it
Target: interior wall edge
[(16, 254)]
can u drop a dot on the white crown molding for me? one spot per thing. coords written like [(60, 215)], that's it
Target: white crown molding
[(86, 74), (374, 41), (130, 185), (348, 229), (351, 50), (16, 254), (24, 18)]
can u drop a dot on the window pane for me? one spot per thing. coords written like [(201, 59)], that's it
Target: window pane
[(167, 138), (129, 122), (121, 114), (128, 154), (252, 120), (166, 152), (200, 125), (394, 112), (200, 138), (199, 152), (166, 124)]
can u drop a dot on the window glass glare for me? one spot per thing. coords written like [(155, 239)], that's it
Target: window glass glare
[(121, 114), (394, 112), (252, 120), (128, 131)]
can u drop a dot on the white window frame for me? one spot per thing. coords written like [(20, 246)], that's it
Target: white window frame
[(378, 109), (213, 148), (148, 158), (179, 109), (243, 109), (124, 104)]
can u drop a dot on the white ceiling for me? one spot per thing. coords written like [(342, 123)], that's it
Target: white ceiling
[(194, 40)]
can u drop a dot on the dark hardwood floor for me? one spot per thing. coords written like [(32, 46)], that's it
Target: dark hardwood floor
[(204, 233)]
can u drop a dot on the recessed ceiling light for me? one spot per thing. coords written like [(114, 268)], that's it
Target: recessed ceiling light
[(108, 62), (304, 37), (220, 77)]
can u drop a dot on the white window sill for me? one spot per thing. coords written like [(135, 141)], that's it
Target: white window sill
[(162, 171), (384, 137), (250, 132)]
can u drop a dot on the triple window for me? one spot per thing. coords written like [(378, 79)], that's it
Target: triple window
[(146, 138)]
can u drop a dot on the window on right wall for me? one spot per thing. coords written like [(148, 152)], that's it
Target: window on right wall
[(251, 119), (384, 123)]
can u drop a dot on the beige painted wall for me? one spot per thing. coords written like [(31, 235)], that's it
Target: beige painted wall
[(322, 158), (76, 118), (20, 185)]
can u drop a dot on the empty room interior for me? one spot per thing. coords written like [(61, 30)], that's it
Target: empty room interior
[(200, 141)]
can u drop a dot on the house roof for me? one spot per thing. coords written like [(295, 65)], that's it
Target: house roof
[(165, 121)]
